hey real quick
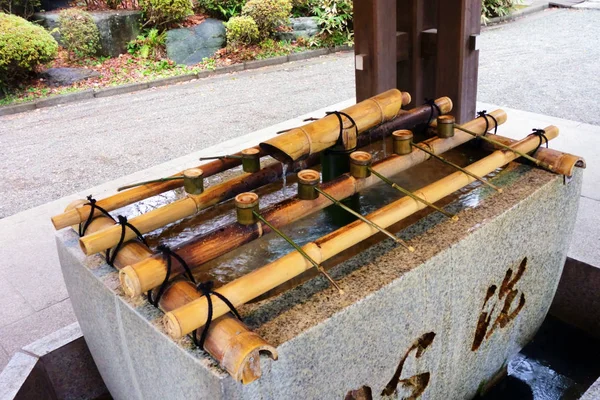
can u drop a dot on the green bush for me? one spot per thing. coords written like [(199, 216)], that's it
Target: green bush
[(302, 8), (497, 8), (335, 19), (150, 44), (165, 12), (23, 46), (23, 8), (223, 9), (268, 14), (241, 30), (78, 32)]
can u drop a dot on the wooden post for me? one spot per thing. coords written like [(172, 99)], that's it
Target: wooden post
[(459, 26), (375, 47)]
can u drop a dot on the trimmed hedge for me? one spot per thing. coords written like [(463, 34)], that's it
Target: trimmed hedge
[(23, 47)]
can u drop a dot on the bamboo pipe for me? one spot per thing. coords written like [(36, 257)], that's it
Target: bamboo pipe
[(185, 207), (75, 216), (193, 315), (125, 198), (147, 274), (229, 341), (563, 163), (299, 143)]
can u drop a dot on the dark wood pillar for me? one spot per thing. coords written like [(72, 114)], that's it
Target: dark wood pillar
[(457, 54), (374, 46)]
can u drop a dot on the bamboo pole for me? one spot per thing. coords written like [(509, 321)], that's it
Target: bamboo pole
[(228, 340), (563, 163), (147, 274), (193, 315), (299, 143), (125, 198), (192, 204), (188, 206)]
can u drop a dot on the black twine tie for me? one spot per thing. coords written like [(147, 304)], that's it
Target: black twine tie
[(541, 134), (93, 207), (168, 255), (483, 114), (433, 108), (339, 115), (207, 290), (110, 259)]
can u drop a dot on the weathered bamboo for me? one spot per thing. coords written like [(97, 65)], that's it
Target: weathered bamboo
[(563, 163), (82, 213), (147, 274), (193, 315), (228, 340), (190, 205), (299, 143)]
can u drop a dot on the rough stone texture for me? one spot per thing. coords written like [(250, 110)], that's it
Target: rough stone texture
[(117, 28), (330, 344), (190, 45), (593, 393), (305, 27), (67, 76)]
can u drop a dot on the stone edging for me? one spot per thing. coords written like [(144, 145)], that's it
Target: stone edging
[(520, 13), (134, 87)]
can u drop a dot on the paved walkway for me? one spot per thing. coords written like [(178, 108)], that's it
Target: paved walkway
[(50, 153)]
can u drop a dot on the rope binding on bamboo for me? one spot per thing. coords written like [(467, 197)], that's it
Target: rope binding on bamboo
[(168, 255), (122, 221), (93, 207)]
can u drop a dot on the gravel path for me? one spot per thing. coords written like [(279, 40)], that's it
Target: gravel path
[(546, 63), (49, 153)]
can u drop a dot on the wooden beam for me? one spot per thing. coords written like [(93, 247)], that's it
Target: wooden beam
[(457, 59), (375, 42)]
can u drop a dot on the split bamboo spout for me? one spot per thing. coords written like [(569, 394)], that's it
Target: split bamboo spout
[(193, 315), (317, 136), (125, 198), (147, 274), (229, 341)]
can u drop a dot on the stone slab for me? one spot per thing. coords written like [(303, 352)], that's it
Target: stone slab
[(14, 307), (17, 108), (23, 378), (393, 298), (65, 98), (265, 63), (25, 331), (122, 89), (172, 80), (193, 44), (593, 393)]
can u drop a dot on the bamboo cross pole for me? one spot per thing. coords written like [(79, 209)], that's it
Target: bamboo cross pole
[(125, 198), (193, 315), (147, 274), (192, 204), (188, 206), (228, 340), (139, 193)]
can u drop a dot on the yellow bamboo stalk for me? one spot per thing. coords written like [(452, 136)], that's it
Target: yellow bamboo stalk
[(79, 214), (299, 143), (193, 315), (147, 274)]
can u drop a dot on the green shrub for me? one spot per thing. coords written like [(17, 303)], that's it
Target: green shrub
[(151, 44), (497, 8), (164, 12), (78, 32), (223, 9), (241, 30), (23, 46), (268, 14), (23, 8), (302, 8), (335, 19)]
